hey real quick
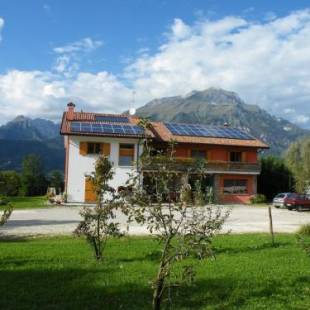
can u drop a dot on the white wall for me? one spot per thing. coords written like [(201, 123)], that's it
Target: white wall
[(79, 165)]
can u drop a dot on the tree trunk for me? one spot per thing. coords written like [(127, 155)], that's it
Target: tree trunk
[(163, 271)]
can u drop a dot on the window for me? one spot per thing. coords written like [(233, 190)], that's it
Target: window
[(235, 156), (93, 148), (235, 186), (198, 154), (126, 154)]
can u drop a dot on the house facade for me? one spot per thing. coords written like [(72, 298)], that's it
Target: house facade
[(231, 155)]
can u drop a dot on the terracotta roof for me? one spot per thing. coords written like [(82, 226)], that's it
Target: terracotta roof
[(91, 117), (162, 133), (158, 132)]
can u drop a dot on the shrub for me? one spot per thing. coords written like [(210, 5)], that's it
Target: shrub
[(304, 230), (3, 200), (258, 198)]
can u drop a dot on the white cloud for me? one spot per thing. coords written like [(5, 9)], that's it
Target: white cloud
[(70, 55), (43, 94), (301, 119), (84, 45), (266, 63), (1, 26)]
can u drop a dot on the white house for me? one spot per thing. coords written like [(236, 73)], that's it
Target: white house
[(230, 154), (85, 136)]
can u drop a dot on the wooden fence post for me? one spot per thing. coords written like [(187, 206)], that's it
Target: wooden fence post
[(271, 225)]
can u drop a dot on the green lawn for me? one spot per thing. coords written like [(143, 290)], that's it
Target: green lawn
[(28, 202), (60, 273)]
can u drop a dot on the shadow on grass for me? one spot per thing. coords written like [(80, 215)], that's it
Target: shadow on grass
[(13, 238), (249, 249), (153, 256), (92, 289), (68, 289), (222, 293)]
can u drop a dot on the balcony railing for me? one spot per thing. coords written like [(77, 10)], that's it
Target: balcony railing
[(187, 164)]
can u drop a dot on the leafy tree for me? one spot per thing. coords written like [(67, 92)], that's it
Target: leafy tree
[(33, 179), (298, 160), (97, 223), (178, 216), (275, 177), (10, 183), (56, 179)]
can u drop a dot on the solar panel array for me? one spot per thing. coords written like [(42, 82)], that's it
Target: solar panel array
[(207, 131), (111, 119), (100, 128)]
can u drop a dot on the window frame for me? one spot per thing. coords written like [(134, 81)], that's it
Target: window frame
[(235, 186), (93, 146), (232, 153), (132, 147), (199, 151)]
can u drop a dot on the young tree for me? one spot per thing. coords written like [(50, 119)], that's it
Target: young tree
[(33, 179), (178, 216), (97, 224), (6, 209), (298, 160)]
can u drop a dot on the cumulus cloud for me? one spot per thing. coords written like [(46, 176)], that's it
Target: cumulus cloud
[(70, 55), (43, 94), (266, 62)]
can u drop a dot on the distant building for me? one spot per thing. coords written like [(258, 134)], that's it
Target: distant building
[(231, 154)]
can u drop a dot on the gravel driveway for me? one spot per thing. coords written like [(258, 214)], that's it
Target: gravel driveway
[(63, 220)]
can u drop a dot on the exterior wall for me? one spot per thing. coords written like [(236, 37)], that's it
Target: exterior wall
[(78, 165), (216, 153), (235, 198)]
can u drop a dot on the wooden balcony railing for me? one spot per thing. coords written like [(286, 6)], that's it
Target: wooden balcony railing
[(186, 164)]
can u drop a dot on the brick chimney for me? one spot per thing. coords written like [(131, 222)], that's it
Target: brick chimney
[(70, 111)]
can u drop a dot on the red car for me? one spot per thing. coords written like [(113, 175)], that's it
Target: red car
[(297, 202)]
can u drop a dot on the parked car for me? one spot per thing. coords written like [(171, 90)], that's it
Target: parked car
[(297, 202), (279, 200)]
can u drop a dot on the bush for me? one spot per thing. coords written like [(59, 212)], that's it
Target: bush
[(3, 200), (304, 230), (258, 198)]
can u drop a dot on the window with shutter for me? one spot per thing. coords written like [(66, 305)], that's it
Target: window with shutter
[(126, 154)]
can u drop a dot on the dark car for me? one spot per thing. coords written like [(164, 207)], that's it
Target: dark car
[(297, 202)]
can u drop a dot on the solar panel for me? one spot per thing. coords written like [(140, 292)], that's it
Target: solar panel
[(87, 127), (111, 119), (207, 131)]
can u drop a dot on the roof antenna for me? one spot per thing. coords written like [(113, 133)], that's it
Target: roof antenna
[(132, 110)]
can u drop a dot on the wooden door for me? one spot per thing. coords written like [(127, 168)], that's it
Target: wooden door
[(90, 194)]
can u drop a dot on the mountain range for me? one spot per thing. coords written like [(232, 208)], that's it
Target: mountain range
[(23, 136), (216, 107), (212, 106)]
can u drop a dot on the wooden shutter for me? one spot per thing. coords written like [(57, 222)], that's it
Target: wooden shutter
[(83, 148), (106, 149), (126, 152)]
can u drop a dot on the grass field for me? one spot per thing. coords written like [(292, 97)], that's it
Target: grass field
[(60, 273), (28, 202)]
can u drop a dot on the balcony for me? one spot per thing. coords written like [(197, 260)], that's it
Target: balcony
[(188, 164)]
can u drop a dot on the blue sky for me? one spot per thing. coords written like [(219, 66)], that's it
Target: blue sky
[(98, 52)]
